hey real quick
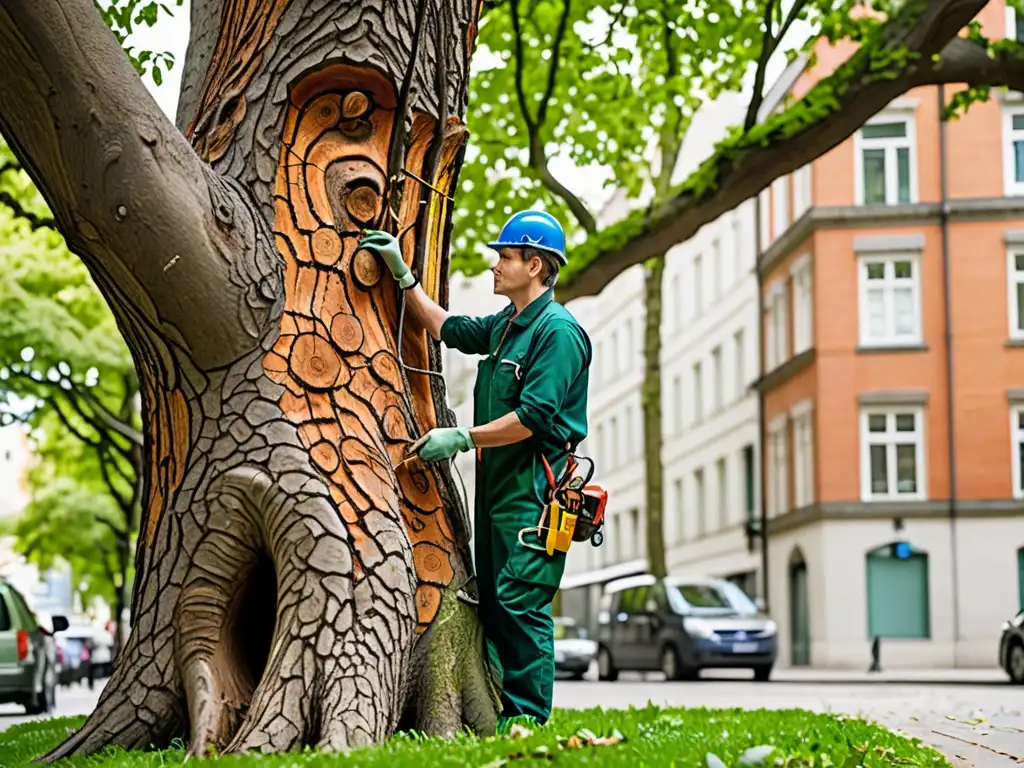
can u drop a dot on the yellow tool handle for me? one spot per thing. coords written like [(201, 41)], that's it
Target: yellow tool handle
[(554, 519)]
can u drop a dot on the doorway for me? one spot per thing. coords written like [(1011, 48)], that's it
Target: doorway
[(799, 611)]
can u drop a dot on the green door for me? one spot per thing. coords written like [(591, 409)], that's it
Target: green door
[(799, 613), (897, 594)]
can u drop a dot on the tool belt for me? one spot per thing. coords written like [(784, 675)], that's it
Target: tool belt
[(573, 509)]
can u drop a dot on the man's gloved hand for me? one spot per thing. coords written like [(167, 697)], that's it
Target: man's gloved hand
[(386, 246), (442, 443)]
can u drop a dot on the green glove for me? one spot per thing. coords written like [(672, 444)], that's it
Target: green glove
[(443, 443), (386, 246)]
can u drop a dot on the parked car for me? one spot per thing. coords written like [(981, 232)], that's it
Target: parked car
[(574, 651), (681, 626), (28, 659), (1011, 648)]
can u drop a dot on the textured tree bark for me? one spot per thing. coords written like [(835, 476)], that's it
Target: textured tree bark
[(650, 401), (296, 584)]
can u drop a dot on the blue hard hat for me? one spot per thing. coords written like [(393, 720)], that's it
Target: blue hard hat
[(533, 229)]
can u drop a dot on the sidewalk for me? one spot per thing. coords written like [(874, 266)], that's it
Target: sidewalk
[(959, 676)]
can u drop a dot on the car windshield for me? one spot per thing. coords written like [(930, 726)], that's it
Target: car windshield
[(704, 599), (569, 632)]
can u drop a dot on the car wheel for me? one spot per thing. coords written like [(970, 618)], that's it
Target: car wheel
[(670, 663), (1015, 663), (763, 673), (50, 688), (36, 703), (605, 666)]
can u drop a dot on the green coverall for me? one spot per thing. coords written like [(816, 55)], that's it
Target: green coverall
[(537, 365)]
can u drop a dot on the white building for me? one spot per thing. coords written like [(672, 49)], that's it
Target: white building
[(709, 359), (710, 422)]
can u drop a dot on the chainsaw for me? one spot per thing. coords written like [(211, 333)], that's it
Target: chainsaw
[(573, 510)]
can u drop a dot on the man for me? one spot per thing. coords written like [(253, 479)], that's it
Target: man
[(530, 400)]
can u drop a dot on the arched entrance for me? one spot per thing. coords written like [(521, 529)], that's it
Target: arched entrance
[(799, 611)]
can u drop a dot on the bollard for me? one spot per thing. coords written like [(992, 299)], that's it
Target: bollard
[(876, 653)]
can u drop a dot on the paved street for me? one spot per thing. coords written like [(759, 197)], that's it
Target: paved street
[(971, 717)]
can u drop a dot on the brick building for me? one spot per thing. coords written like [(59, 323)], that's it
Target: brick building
[(892, 287)]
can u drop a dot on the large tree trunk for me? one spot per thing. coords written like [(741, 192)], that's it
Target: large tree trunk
[(295, 585)]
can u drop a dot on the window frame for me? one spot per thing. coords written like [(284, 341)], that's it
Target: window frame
[(920, 438), (780, 206), (778, 474), (697, 377), (803, 190), (777, 332), (1011, 187), (890, 339), (860, 144), (803, 304), (700, 495), (739, 344), (1011, 23), (802, 417), (1016, 439), (1013, 278), (718, 374)]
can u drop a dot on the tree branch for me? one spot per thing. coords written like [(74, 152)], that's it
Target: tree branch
[(124, 187), (767, 48), (531, 126), (556, 54), (831, 112), (105, 459), (118, 533)]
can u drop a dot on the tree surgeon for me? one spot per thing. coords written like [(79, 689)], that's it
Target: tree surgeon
[(530, 401)]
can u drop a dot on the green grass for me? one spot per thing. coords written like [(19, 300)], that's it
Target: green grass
[(652, 737)]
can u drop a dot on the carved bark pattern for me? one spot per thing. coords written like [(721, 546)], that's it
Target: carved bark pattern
[(337, 353)]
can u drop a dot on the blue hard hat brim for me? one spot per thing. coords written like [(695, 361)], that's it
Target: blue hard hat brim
[(553, 251)]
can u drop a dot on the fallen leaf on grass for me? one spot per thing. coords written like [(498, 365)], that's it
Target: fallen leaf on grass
[(518, 731), (756, 756), (587, 738)]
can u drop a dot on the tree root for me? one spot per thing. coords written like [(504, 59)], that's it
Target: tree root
[(453, 684)]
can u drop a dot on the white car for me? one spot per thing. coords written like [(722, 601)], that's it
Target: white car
[(574, 651)]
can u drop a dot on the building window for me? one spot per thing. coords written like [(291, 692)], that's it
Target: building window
[(698, 394), (635, 532), (775, 334), (764, 219), (679, 506), (803, 459), (615, 359), (698, 490), (890, 301), (698, 284), (897, 576), (614, 438), (1017, 446), (675, 301), (722, 493), (627, 442), (1013, 151), (628, 340), (892, 454), (740, 364), (1016, 295), (738, 260), (602, 447), (677, 402), (780, 205), (716, 269), (885, 162), (718, 381), (778, 476), (803, 318), (1014, 24), (802, 194)]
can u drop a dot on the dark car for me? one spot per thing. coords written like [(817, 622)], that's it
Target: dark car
[(28, 660), (681, 626), (1011, 648), (574, 652)]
